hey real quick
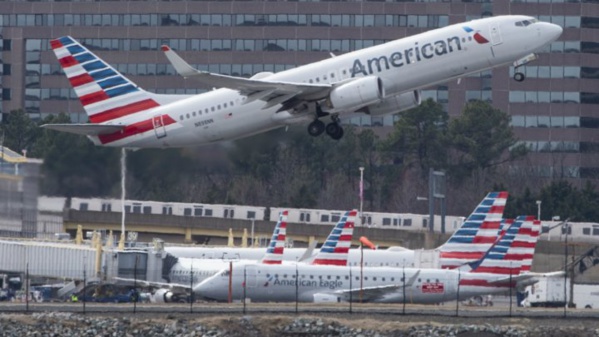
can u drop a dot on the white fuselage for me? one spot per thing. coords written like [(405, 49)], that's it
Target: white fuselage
[(403, 65), (277, 283), (393, 257)]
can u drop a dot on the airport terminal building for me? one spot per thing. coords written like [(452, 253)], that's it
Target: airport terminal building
[(555, 111)]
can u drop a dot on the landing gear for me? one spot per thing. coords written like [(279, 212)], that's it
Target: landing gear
[(519, 77), (334, 130), (316, 128)]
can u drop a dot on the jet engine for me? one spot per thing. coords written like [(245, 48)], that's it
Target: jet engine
[(393, 104), (356, 94), (164, 296)]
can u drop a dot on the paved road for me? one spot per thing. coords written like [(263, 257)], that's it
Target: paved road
[(447, 309)]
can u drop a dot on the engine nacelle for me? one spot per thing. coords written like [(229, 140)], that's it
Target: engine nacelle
[(355, 94), (164, 296), (394, 104)]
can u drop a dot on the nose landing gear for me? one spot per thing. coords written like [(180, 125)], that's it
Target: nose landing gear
[(519, 77)]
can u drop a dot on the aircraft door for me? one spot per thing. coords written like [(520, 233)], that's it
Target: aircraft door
[(159, 128), (495, 35), (250, 276)]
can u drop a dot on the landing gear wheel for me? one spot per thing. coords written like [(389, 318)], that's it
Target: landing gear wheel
[(519, 77), (334, 130), (316, 128)]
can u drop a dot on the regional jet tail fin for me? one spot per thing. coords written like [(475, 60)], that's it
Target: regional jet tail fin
[(512, 254), (85, 129), (335, 249), (477, 234), (274, 252)]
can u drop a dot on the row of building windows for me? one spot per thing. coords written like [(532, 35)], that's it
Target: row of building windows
[(547, 97), (337, 45), (561, 146), (555, 122), (226, 20), (244, 20)]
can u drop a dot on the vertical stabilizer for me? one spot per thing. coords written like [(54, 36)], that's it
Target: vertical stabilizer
[(335, 249), (274, 252)]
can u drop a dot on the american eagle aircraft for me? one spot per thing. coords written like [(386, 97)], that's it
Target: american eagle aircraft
[(468, 243), (505, 265), (378, 80)]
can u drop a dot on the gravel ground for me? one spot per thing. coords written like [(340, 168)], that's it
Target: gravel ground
[(55, 324)]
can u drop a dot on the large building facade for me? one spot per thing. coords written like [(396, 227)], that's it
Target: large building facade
[(555, 111)]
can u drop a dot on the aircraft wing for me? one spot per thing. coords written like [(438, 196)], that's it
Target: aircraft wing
[(85, 129), (377, 292), (273, 92), (153, 284), (528, 278)]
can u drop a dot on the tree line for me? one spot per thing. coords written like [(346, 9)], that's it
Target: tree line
[(288, 168)]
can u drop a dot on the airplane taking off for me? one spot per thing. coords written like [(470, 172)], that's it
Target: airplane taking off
[(378, 80), (502, 267)]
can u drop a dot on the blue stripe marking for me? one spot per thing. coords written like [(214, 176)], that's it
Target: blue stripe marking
[(330, 244), (102, 74), (65, 40), (84, 57), (482, 209), (75, 49), (461, 240), (94, 66), (487, 202), (466, 232), (328, 250), (474, 217), (471, 225), (121, 90), (492, 194)]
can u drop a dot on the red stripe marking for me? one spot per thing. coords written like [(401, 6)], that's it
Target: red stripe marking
[(497, 270), (496, 209), (484, 239), (271, 262), (522, 244), (134, 129), (97, 96), (485, 283), (341, 250), (281, 237), (462, 255), (345, 237), (277, 250), (283, 225), (123, 111), (503, 195), (519, 257), (67, 61), (490, 225), (80, 80), (55, 44), (330, 262)]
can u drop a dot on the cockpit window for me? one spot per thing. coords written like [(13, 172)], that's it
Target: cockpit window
[(525, 23)]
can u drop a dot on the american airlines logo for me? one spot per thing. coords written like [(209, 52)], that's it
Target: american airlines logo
[(407, 56)]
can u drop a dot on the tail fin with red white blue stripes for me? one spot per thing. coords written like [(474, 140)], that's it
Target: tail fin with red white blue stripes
[(513, 252), (477, 234), (108, 97), (335, 249), (274, 252)]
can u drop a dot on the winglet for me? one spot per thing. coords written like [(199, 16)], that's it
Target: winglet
[(182, 67)]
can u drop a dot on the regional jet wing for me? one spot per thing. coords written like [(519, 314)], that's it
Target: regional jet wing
[(377, 292), (153, 284), (85, 129), (273, 92)]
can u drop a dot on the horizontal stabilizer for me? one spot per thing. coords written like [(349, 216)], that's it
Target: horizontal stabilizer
[(85, 129)]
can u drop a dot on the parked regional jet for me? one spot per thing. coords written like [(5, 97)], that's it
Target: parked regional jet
[(496, 272), (378, 80), (469, 243)]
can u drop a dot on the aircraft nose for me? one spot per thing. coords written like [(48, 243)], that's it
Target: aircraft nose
[(551, 31)]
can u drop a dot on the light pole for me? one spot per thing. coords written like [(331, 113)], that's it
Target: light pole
[(539, 209), (361, 192)]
